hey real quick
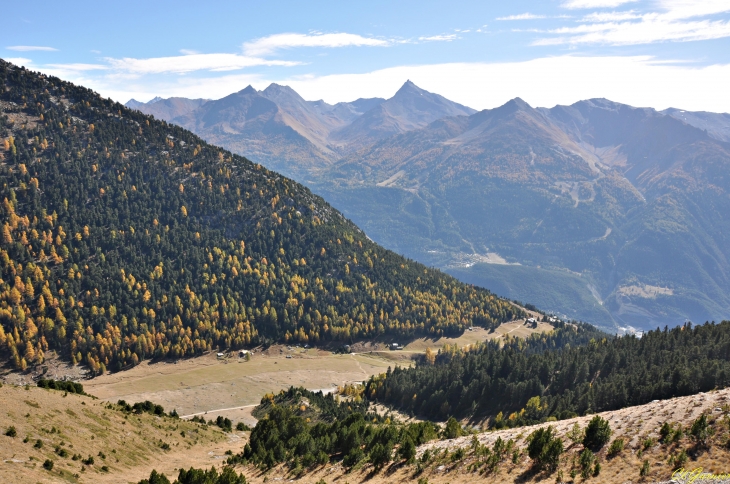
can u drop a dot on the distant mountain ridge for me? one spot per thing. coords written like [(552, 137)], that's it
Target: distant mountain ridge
[(620, 213), (279, 128)]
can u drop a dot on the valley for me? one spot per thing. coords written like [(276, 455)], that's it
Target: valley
[(589, 190), (231, 386)]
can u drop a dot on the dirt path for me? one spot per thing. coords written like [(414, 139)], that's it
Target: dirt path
[(216, 411)]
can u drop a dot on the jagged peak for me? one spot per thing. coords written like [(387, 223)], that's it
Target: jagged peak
[(408, 87), (248, 90)]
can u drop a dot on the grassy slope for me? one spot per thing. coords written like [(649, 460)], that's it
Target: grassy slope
[(84, 426)]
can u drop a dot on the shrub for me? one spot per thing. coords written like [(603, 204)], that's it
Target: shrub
[(616, 447), (380, 455), (701, 430), (648, 443), (38, 444), (453, 429), (586, 461), (89, 461), (242, 427), (645, 469), (679, 460), (576, 434), (11, 432), (598, 432), (156, 478), (544, 448), (407, 450), (67, 386), (48, 465)]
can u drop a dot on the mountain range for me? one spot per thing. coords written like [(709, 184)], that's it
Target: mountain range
[(599, 211)]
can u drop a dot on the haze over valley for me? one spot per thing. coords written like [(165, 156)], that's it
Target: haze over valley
[(576, 209)]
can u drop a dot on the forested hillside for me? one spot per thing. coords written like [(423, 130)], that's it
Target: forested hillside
[(521, 384), (125, 238)]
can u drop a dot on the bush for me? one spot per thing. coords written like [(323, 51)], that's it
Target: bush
[(38, 444), (598, 432), (156, 478), (679, 460), (586, 461), (380, 455), (453, 429), (11, 432), (645, 468), (48, 465), (224, 423), (701, 430), (67, 386), (242, 427), (616, 447), (576, 434), (544, 448), (407, 450)]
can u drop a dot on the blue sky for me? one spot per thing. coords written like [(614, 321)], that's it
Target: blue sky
[(657, 53)]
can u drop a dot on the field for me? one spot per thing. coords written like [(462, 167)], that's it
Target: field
[(232, 386)]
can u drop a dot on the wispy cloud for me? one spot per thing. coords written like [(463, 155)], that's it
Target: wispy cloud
[(439, 38), (273, 43), (677, 21), (19, 61), (522, 16), (30, 48), (588, 4), (190, 63), (79, 67)]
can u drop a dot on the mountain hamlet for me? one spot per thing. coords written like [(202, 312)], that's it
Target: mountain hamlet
[(154, 253), (598, 211)]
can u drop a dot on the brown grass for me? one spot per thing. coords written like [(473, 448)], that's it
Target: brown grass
[(85, 426)]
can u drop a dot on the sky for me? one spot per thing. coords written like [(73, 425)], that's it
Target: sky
[(649, 53)]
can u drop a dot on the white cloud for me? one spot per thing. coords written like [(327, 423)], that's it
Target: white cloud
[(190, 63), (188, 52), (678, 22), (638, 81), (79, 67), (29, 48), (19, 61), (522, 16), (587, 4), (611, 16), (439, 38), (272, 43)]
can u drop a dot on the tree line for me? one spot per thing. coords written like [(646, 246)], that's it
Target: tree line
[(529, 381)]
